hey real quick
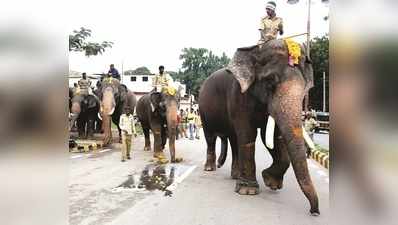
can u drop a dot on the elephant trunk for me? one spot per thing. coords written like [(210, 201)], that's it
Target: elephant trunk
[(106, 127), (108, 103), (74, 113), (171, 117), (75, 108), (286, 109)]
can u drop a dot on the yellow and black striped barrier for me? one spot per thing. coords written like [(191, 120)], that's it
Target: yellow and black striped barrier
[(321, 157)]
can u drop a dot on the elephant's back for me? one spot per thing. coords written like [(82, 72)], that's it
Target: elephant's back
[(141, 108), (213, 99)]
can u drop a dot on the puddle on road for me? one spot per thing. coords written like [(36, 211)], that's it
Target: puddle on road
[(154, 177)]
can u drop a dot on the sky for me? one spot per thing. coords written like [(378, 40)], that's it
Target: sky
[(153, 32)]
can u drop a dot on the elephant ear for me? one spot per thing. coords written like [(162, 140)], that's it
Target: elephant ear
[(242, 66), (306, 68), (156, 98)]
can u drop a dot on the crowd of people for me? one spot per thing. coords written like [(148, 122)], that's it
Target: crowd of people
[(189, 124)]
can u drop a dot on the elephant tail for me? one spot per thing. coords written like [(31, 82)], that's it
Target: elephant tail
[(224, 151)]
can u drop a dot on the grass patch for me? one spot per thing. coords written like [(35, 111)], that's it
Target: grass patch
[(323, 150)]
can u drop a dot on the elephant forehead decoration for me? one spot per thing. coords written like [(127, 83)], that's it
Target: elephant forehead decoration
[(294, 51)]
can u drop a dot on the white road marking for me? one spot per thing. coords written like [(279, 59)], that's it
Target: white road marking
[(88, 155), (76, 156), (106, 150), (179, 179)]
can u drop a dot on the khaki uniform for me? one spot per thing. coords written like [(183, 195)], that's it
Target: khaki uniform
[(127, 126), (198, 125), (162, 82), (269, 28)]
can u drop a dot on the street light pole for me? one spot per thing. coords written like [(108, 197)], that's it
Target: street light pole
[(306, 97), (309, 27), (324, 91)]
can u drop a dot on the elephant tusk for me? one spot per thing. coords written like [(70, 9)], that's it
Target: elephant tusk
[(111, 112), (152, 107), (99, 116), (269, 133), (308, 140)]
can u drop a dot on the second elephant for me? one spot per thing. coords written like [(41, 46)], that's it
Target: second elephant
[(158, 112)]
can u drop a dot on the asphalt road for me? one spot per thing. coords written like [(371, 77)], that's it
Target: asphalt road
[(197, 197)]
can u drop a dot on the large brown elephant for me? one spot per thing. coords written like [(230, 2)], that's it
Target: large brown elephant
[(158, 112), (234, 102), (115, 99)]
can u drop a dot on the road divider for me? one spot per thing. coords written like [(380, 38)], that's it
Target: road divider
[(321, 157)]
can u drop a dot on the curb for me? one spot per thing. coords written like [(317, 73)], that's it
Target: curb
[(321, 158)]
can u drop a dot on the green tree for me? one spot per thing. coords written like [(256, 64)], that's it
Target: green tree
[(78, 43), (320, 59), (139, 71), (197, 65)]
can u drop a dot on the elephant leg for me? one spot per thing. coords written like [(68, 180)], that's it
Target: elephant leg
[(90, 128), (273, 175), (81, 128), (235, 161), (147, 139), (286, 109), (247, 182), (211, 151), (163, 136), (157, 145), (120, 133)]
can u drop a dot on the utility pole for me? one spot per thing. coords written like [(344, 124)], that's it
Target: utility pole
[(122, 71), (324, 91)]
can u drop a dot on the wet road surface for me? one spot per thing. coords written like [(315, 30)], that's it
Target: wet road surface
[(104, 190)]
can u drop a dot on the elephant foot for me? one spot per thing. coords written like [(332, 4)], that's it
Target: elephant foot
[(272, 182), (147, 148), (159, 155), (246, 187), (235, 173), (315, 212), (210, 166), (176, 160)]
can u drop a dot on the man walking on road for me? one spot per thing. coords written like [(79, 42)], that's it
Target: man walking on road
[(191, 124), (198, 124), (270, 25), (127, 126)]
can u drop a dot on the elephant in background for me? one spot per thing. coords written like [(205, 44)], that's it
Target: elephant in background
[(84, 110), (115, 99), (158, 112), (235, 101)]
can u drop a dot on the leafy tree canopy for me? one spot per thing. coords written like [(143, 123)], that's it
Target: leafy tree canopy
[(139, 71), (320, 62), (197, 65), (78, 43)]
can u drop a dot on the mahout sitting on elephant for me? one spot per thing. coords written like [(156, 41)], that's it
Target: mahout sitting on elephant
[(234, 102)]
